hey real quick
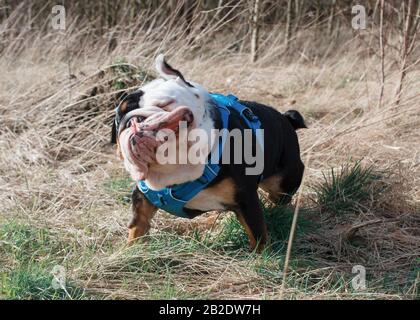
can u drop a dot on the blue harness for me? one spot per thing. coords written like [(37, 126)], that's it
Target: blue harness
[(174, 198)]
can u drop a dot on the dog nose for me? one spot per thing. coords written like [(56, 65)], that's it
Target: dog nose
[(188, 117)]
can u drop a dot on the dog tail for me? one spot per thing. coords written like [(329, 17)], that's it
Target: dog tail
[(295, 119)]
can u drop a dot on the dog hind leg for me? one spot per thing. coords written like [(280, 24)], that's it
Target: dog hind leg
[(251, 217), (273, 187)]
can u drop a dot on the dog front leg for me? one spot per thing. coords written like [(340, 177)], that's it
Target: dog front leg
[(143, 212)]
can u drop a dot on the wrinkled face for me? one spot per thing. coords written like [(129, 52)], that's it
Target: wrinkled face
[(163, 105)]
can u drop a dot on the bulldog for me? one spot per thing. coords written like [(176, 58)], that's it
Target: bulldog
[(154, 120)]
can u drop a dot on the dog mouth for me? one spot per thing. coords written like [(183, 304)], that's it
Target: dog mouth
[(143, 141), (166, 120)]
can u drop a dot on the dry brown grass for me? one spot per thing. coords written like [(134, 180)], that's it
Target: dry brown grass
[(58, 171)]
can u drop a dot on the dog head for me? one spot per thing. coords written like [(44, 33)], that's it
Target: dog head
[(161, 105)]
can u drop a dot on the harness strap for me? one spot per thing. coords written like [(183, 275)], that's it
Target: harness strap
[(246, 113), (173, 199)]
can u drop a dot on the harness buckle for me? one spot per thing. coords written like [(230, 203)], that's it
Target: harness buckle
[(247, 113), (203, 179), (162, 199)]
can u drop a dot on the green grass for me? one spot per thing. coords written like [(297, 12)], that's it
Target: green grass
[(172, 290), (29, 255), (25, 242), (233, 241), (35, 283), (278, 218), (167, 265), (348, 189), (120, 188), (398, 281)]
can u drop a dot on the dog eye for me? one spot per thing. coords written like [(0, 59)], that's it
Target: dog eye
[(139, 119), (165, 104)]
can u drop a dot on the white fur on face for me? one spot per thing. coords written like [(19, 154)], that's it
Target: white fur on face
[(160, 92), (167, 95)]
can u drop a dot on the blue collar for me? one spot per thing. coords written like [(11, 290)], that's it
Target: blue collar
[(174, 198)]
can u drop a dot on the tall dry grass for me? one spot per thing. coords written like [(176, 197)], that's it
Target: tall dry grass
[(58, 171)]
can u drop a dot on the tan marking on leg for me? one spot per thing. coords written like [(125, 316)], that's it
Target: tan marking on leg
[(143, 212), (252, 241), (271, 185), (253, 244)]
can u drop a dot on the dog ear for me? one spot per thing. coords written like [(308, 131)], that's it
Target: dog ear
[(167, 72), (114, 133)]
